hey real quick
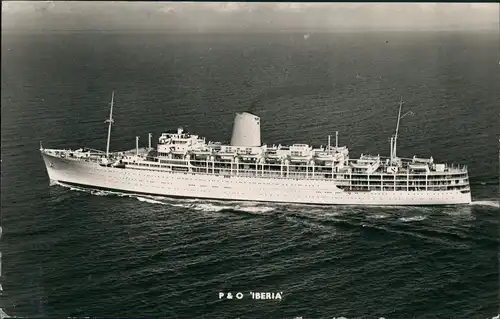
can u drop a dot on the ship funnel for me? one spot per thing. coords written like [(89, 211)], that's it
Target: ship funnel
[(246, 130)]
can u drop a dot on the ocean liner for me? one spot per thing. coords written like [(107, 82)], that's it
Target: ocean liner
[(185, 165)]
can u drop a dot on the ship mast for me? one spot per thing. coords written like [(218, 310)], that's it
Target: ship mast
[(397, 129), (395, 141), (110, 121)]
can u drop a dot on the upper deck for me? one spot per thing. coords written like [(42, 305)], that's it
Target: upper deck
[(275, 158)]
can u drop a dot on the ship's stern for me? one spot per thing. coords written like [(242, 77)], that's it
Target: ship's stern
[(466, 192)]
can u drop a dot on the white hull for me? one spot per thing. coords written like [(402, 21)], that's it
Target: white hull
[(235, 188)]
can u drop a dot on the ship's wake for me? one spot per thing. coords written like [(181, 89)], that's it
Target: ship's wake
[(490, 203), (412, 221), (188, 203), (3, 314)]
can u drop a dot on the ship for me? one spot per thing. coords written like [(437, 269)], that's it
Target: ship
[(182, 164)]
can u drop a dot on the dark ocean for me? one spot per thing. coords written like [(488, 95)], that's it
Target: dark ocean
[(76, 252)]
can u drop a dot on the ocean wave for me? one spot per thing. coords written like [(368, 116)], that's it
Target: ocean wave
[(312, 224), (432, 237), (328, 214), (378, 216), (460, 214), (412, 218)]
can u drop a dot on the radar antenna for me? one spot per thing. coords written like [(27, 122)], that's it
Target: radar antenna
[(110, 121)]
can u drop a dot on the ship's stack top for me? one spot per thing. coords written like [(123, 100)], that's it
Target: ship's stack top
[(246, 130)]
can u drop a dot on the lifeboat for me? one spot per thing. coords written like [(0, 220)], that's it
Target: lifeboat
[(324, 156), (422, 160), (418, 167), (226, 155)]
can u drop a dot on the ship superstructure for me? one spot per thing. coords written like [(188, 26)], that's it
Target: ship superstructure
[(186, 165)]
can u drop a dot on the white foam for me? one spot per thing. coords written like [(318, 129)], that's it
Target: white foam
[(486, 203), (72, 188), (378, 216), (412, 219), (210, 207), (53, 182), (151, 201), (206, 206), (255, 209), (190, 203), (3, 314), (100, 193)]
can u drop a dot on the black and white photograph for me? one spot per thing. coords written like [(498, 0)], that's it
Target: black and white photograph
[(250, 160)]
